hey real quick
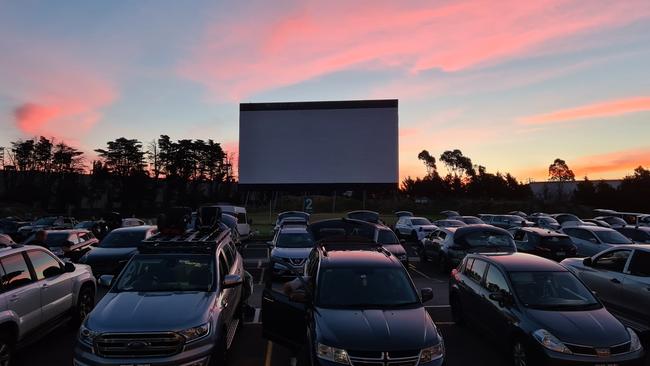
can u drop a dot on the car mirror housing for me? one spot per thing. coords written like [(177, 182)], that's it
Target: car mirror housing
[(106, 281), (69, 267), (587, 262), (426, 294), (232, 280)]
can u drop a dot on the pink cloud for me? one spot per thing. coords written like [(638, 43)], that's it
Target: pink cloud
[(236, 59), (597, 110)]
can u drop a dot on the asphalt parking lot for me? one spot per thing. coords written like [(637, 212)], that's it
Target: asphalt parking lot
[(464, 346)]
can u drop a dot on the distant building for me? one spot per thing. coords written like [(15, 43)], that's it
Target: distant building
[(554, 190)]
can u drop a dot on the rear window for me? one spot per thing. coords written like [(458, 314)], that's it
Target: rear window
[(486, 238), (420, 222), (387, 237), (54, 239), (552, 241), (123, 239)]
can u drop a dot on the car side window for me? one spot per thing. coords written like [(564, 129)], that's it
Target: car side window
[(477, 270), (495, 281), (520, 235), (223, 268), (613, 260), (16, 272), (44, 264), (468, 266), (640, 264), (230, 256)]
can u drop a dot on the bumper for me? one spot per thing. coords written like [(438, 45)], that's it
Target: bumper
[(199, 356), (320, 362), (559, 359), (285, 270)]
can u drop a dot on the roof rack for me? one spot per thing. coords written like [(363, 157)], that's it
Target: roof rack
[(192, 241)]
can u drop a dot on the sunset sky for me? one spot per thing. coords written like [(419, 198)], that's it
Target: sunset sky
[(513, 84)]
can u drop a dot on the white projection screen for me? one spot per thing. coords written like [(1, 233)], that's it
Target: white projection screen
[(337, 144)]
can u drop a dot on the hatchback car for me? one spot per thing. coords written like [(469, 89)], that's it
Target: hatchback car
[(544, 243), (639, 234), (414, 228), (71, 244), (591, 240), (545, 222), (539, 311), (449, 223), (620, 276)]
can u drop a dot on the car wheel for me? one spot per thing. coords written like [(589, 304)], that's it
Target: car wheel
[(443, 264), (6, 350), (85, 304), (457, 311), (520, 355)]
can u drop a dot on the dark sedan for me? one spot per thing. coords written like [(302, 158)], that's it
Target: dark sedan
[(115, 250), (544, 243), (539, 311), (71, 244)]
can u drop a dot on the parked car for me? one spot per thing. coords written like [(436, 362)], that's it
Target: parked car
[(231, 222), (177, 302), (469, 220), (132, 221), (597, 222), (414, 228), (620, 277), (6, 240), (10, 226), (508, 221), (544, 243), (291, 216), (403, 213), (449, 223), (540, 311), (545, 222), (99, 228), (450, 213), (613, 221), (39, 292), (448, 246), (638, 234), (115, 250), (365, 215), (46, 223), (591, 240), (243, 222), (386, 238), (518, 213), (71, 244), (290, 248), (566, 219), (358, 306)]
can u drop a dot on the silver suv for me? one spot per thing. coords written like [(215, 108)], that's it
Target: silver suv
[(39, 291), (177, 302)]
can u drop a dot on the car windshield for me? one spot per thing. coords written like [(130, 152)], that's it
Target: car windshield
[(295, 240), (387, 237), (556, 241), (487, 238), (56, 239), (168, 272), (420, 222), (472, 220), (123, 239), (45, 221), (450, 223), (612, 237), (365, 287), (552, 291)]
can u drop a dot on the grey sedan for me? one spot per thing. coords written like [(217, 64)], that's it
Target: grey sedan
[(620, 276)]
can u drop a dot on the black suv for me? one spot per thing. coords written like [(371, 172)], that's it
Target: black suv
[(544, 243), (360, 307), (540, 311)]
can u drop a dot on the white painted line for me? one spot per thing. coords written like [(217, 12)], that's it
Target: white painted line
[(256, 318), (262, 278)]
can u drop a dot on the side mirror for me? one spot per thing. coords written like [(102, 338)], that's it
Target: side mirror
[(232, 280), (426, 294), (588, 262), (69, 267), (503, 299), (106, 281)]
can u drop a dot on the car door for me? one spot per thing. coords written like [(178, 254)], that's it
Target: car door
[(606, 277), (498, 317), (470, 293), (55, 284), (227, 296), (22, 292), (636, 287)]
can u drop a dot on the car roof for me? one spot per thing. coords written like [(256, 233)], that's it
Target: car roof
[(134, 228), (590, 228), (541, 231), (293, 229), (370, 257), (520, 262)]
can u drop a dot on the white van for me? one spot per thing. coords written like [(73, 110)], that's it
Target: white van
[(243, 225)]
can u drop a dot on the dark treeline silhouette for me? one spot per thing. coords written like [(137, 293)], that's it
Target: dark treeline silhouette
[(633, 194), (126, 176), (463, 180)]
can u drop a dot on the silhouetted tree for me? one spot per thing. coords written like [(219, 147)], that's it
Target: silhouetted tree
[(457, 164), (67, 159), (429, 162), (123, 157), (559, 171)]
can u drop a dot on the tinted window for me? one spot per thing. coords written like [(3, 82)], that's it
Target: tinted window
[(44, 264), (613, 261), (582, 234), (387, 237), (420, 222), (224, 268), (45, 221), (495, 281), (295, 240), (477, 270), (612, 237), (468, 266), (486, 238), (165, 273), (636, 234), (241, 217), (123, 239), (54, 239), (365, 287), (555, 241), (16, 272), (640, 264), (552, 291)]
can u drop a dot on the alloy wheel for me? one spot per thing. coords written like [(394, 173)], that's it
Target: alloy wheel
[(519, 356), (5, 353)]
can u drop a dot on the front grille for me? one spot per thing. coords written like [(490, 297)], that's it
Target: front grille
[(593, 351), (392, 358), (138, 344), (297, 261)]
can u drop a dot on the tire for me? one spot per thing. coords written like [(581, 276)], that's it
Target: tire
[(457, 311), (520, 353), (6, 349), (85, 304)]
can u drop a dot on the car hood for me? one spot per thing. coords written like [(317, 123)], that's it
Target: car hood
[(98, 254), (395, 249), (376, 330), (597, 328), (291, 252), (154, 311)]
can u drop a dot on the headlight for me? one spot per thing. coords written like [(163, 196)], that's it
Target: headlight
[(549, 341), (332, 354), (635, 343), (432, 353), (195, 333), (87, 336)]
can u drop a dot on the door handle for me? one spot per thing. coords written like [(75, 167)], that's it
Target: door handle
[(616, 281)]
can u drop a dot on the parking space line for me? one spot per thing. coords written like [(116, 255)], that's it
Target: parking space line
[(256, 318), (269, 352), (262, 278)]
